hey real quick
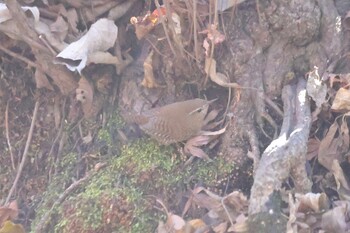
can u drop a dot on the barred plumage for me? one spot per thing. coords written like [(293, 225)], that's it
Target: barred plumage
[(174, 122)]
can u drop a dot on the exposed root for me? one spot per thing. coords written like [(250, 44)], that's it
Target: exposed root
[(286, 155)]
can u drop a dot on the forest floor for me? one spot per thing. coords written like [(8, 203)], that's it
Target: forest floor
[(272, 154)]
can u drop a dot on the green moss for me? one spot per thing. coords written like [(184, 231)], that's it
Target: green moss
[(210, 172), (65, 171), (141, 171)]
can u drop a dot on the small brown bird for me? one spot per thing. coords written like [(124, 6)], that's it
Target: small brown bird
[(174, 122)]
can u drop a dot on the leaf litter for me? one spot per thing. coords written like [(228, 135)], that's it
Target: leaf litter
[(77, 50)]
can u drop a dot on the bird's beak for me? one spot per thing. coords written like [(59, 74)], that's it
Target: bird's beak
[(211, 101)]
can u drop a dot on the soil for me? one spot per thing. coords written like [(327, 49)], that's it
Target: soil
[(268, 45)]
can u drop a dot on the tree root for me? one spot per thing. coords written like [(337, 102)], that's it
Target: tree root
[(285, 155)]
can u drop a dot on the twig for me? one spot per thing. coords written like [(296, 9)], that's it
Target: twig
[(171, 27), (15, 55), (154, 47), (258, 10), (24, 156), (164, 26), (226, 210), (196, 49), (45, 219), (8, 135), (58, 136), (33, 44), (213, 41), (47, 44)]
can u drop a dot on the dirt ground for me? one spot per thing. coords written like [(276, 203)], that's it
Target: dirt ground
[(83, 87)]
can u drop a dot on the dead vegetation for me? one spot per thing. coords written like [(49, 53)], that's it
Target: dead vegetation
[(273, 155)]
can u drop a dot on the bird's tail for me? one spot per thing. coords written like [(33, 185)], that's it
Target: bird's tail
[(134, 118)]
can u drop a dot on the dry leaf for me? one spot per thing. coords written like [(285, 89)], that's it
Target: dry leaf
[(341, 101), (148, 79), (107, 58), (10, 227), (147, 23), (96, 9), (225, 208), (312, 201), (344, 79), (120, 10), (337, 219), (218, 78), (88, 138), (343, 186), (8, 213), (142, 30), (175, 222), (195, 224), (214, 35), (192, 146), (221, 228), (85, 94), (213, 133), (100, 37), (316, 89), (6, 15), (226, 4), (328, 150), (240, 225), (59, 28), (104, 81), (42, 81), (312, 148), (177, 22), (99, 166), (162, 228), (344, 136), (54, 40), (210, 117), (72, 17)]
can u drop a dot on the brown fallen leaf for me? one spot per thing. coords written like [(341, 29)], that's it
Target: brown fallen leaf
[(213, 34), (240, 225), (59, 28), (146, 24), (328, 149), (341, 101), (9, 212), (343, 187), (337, 219), (10, 227), (227, 208), (221, 228), (312, 201), (343, 79), (312, 148), (344, 136), (226, 4), (174, 222), (218, 78), (316, 89), (85, 94), (42, 81), (148, 80), (192, 146), (97, 106)]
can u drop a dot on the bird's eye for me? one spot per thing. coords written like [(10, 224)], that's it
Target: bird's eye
[(198, 110)]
